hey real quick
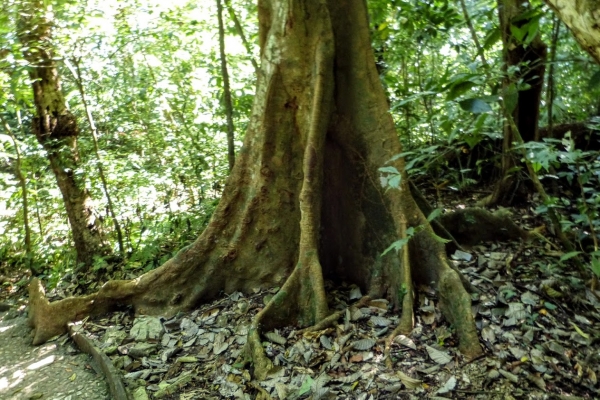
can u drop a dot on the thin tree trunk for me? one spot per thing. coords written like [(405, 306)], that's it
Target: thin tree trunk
[(478, 46), (240, 31), (226, 89), (56, 130), (94, 131), (522, 105), (23, 185), (550, 89)]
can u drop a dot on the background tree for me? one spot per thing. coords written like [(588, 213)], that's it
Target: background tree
[(226, 88), (56, 129), (524, 56)]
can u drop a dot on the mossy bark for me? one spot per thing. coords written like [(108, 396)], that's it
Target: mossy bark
[(304, 202)]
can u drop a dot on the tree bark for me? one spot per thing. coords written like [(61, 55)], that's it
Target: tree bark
[(226, 89), (303, 202), (521, 107), (582, 17), (76, 72), (56, 130)]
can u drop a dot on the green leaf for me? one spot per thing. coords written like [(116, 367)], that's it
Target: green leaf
[(476, 106), (394, 181), (532, 29), (397, 245), (518, 33), (305, 388), (403, 154), (594, 81), (492, 37), (566, 256), (595, 266), (434, 214), (439, 238), (389, 170), (459, 89), (480, 121)]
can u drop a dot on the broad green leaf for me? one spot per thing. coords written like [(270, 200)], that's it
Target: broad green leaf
[(397, 245), (459, 89), (492, 37), (480, 121), (476, 106), (434, 214), (305, 388), (394, 181), (532, 29), (595, 266), (518, 33), (389, 169), (571, 254)]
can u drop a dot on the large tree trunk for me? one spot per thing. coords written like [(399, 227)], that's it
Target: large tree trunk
[(303, 202), (56, 130), (522, 108)]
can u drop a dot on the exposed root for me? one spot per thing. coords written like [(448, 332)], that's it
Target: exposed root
[(50, 320), (407, 318), (471, 226), (455, 304), (333, 318)]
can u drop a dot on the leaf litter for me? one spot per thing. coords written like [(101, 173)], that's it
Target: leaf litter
[(538, 323)]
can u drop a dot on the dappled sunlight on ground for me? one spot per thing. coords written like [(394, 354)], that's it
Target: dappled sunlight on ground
[(46, 371)]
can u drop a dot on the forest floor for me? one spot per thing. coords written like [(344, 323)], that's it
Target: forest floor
[(55, 370), (539, 325)]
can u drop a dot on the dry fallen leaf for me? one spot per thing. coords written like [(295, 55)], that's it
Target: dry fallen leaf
[(438, 356), (410, 383)]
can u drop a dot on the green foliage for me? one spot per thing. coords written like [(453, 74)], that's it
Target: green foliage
[(151, 74), (390, 177), (579, 173)]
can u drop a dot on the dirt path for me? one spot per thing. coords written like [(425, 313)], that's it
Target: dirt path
[(53, 371)]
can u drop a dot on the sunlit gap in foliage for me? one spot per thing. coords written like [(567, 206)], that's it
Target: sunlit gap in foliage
[(151, 75)]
